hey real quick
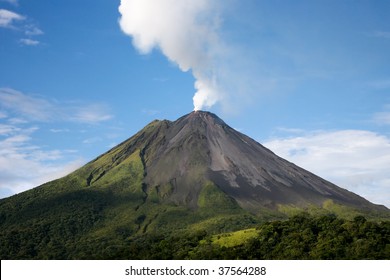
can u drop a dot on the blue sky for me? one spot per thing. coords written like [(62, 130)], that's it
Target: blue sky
[(308, 79)]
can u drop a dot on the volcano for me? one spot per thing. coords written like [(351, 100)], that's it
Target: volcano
[(181, 157), (193, 174)]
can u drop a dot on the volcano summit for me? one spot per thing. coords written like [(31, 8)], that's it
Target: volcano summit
[(195, 173)]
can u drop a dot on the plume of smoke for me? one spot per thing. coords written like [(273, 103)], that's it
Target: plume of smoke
[(186, 31)]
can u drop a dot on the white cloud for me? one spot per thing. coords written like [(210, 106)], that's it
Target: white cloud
[(34, 173), (186, 33), (29, 42), (357, 160), (23, 165), (91, 113), (32, 30), (8, 17), (14, 120), (6, 129), (191, 35), (35, 108), (40, 109), (155, 24), (15, 21)]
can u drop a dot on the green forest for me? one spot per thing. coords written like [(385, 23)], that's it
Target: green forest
[(302, 236)]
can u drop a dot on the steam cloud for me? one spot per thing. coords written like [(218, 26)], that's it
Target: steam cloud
[(186, 31)]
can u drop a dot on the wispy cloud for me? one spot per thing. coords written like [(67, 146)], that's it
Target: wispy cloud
[(357, 160), (20, 23), (29, 42), (32, 30), (6, 129), (59, 130), (24, 165), (7, 18), (90, 113), (37, 108), (32, 107)]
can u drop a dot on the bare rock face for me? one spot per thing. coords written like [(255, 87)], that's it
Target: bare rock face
[(180, 157)]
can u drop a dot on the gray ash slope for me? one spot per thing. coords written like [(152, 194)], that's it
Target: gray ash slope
[(180, 157)]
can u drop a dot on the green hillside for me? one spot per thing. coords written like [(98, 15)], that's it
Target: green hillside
[(76, 218)]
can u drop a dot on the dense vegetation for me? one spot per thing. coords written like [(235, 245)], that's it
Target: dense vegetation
[(300, 237)]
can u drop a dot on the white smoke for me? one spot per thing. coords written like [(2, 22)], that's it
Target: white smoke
[(186, 31)]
